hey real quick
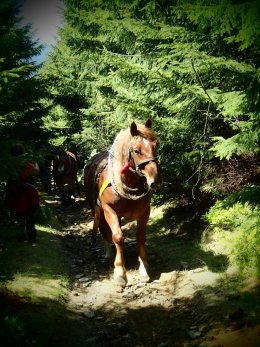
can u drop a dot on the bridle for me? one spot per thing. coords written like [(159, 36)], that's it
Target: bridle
[(114, 177), (137, 165)]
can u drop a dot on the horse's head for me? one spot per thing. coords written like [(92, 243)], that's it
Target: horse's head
[(59, 160), (141, 153)]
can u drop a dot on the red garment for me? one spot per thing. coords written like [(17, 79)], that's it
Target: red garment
[(29, 170), (21, 202)]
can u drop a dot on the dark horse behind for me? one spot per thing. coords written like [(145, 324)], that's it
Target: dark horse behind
[(64, 172), (119, 183)]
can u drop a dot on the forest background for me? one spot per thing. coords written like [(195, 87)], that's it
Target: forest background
[(192, 66)]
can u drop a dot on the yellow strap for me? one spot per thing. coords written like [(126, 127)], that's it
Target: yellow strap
[(103, 187)]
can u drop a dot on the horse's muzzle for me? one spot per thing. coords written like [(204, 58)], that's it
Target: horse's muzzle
[(153, 177)]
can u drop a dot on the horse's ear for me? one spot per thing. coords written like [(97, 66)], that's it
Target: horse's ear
[(133, 129), (148, 123)]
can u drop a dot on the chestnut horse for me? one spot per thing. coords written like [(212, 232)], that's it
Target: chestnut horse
[(64, 172), (119, 183)]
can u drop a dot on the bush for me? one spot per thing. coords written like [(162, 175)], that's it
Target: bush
[(12, 331), (237, 224)]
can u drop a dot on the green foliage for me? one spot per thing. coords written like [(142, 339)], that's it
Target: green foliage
[(236, 222), (246, 142), (12, 330), (20, 90), (34, 283), (191, 66)]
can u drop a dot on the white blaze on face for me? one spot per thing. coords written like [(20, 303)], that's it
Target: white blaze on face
[(149, 177), (146, 142)]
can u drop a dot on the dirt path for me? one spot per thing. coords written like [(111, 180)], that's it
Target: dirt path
[(184, 304)]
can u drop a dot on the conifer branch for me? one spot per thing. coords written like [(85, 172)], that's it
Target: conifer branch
[(204, 131), (201, 82), (203, 151)]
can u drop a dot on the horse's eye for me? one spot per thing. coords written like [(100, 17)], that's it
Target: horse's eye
[(137, 151)]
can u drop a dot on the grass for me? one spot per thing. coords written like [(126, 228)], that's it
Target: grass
[(34, 283)]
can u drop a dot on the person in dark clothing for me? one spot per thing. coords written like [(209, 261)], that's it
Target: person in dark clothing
[(22, 198)]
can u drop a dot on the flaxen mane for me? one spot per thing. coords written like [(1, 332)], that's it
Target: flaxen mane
[(119, 155)]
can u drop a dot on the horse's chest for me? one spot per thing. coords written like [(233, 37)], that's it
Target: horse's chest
[(132, 209)]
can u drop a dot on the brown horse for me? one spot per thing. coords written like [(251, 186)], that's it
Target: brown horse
[(64, 172), (119, 183)]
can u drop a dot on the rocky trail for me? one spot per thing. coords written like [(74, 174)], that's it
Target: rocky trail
[(184, 304)]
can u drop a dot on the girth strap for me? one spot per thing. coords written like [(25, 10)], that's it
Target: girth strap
[(105, 184)]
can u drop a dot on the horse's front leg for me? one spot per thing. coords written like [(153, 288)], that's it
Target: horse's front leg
[(70, 192), (62, 194), (141, 239), (118, 239)]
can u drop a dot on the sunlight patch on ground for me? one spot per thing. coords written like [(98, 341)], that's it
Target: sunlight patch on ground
[(187, 283), (36, 288), (47, 229), (104, 294)]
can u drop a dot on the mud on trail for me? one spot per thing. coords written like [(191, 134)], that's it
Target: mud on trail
[(186, 302)]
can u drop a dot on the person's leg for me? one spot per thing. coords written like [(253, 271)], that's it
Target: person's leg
[(19, 221), (30, 224), (21, 227), (32, 206)]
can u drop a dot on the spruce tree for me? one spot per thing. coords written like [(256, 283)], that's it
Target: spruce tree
[(20, 91), (190, 65)]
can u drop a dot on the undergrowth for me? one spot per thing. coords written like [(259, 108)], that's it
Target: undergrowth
[(235, 223), (34, 283)]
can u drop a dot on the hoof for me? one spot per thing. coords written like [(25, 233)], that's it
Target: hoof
[(144, 279), (120, 276), (120, 281), (143, 270)]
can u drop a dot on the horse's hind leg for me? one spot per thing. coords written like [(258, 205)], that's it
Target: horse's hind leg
[(117, 236), (141, 239), (96, 215), (107, 237)]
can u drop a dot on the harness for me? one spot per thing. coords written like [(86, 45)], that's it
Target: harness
[(105, 184), (97, 209), (122, 189), (114, 174)]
